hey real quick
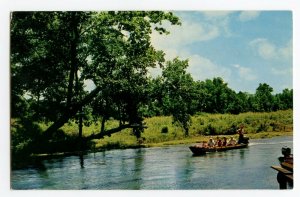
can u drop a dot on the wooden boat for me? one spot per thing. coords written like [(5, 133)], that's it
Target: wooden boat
[(197, 150)]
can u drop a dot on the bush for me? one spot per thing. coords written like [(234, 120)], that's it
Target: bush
[(209, 130), (24, 134), (262, 127), (164, 130), (232, 130)]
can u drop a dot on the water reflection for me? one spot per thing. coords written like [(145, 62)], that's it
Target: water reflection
[(42, 170), (81, 161), (138, 165), (171, 167)]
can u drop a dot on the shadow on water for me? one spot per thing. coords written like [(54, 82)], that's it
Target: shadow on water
[(242, 154)]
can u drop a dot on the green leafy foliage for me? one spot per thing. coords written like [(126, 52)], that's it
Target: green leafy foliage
[(178, 92), (54, 53)]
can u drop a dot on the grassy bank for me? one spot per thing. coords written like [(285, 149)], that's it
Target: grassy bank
[(161, 131)]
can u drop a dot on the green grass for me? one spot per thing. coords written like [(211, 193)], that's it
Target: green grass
[(26, 141), (257, 125)]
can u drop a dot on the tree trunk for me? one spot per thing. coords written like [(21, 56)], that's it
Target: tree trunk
[(108, 132), (186, 129), (103, 124), (73, 58), (80, 124), (71, 112), (72, 109)]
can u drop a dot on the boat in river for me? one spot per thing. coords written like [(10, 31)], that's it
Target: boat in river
[(199, 150)]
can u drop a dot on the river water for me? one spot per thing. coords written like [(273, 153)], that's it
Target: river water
[(172, 167)]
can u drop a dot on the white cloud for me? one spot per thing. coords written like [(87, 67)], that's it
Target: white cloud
[(264, 48), (282, 71), (287, 51), (248, 15), (202, 68), (216, 14), (269, 51), (188, 32), (219, 19), (245, 72), (192, 31)]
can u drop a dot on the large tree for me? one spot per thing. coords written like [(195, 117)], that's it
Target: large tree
[(53, 54), (178, 87)]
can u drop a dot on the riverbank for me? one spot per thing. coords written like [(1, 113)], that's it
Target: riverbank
[(161, 132), (203, 138), (187, 141)]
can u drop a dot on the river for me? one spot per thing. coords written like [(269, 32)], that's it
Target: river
[(172, 167)]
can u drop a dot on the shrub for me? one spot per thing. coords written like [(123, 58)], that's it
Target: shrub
[(262, 127), (232, 130), (209, 130), (164, 130)]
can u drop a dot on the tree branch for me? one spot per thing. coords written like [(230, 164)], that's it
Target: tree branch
[(108, 132), (70, 112)]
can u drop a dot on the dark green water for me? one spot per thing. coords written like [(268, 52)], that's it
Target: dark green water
[(172, 167)]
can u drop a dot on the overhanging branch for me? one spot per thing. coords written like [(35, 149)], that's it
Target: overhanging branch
[(70, 112), (108, 132)]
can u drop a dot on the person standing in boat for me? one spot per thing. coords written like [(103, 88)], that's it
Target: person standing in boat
[(241, 131)]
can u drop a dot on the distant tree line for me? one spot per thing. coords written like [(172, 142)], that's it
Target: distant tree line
[(53, 54), (211, 96)]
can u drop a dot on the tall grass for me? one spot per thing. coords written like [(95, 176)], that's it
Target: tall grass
[(161, 131)]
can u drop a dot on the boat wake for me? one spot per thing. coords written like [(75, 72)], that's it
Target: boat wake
[(270, 143)]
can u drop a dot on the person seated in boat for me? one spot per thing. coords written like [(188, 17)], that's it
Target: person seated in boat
[(211, 142), (224, 143), (218, 142), (204, 145), (231, 142), (240, 131)]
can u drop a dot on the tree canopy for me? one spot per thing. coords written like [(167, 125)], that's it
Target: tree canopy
[(54, 53)]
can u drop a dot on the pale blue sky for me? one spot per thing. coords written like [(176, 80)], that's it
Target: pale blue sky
[(244, 48)]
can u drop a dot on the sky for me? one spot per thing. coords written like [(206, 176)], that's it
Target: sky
[(244, 48)]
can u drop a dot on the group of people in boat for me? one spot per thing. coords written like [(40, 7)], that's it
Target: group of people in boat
[(218, 142), (221, 142)]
